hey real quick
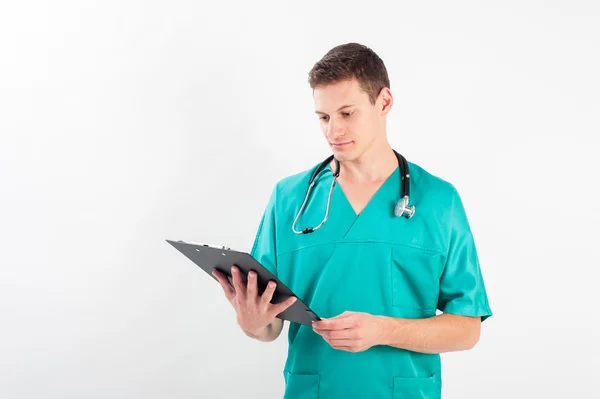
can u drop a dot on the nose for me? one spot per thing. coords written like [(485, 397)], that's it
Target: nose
[(334, 130)]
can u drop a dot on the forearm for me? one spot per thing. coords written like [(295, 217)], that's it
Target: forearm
[(269, 333), (438, 334)]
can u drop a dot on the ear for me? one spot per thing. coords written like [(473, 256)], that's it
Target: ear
[(385, 100)]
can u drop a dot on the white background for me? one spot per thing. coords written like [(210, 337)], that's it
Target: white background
[(125, 123)]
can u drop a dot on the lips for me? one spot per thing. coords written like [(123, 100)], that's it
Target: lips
[(341, 144)]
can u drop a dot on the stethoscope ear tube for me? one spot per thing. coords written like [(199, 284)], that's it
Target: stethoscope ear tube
[(320, 168)]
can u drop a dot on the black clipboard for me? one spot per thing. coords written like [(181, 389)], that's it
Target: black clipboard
[(210, 257)]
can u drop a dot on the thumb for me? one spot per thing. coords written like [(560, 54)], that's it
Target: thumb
[(343, 315)]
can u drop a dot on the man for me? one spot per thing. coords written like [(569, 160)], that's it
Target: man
[(375, 279)]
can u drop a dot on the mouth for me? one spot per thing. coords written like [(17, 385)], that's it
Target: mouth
[(339, 145)]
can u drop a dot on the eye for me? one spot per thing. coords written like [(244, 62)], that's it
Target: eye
[(323, 118), (346, 114)]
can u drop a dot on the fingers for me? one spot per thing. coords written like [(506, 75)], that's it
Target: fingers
[(348, 347), (338, 335), (252, 285), (336, 324), (227, 288), (238, 284), (267, 295), (280, 307)]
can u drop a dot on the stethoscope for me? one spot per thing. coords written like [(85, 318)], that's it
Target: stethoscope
[(402, 208)]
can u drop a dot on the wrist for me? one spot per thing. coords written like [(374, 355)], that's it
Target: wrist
[(260, 334), (389, 328)]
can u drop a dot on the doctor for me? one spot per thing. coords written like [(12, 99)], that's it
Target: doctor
[(375, 278)]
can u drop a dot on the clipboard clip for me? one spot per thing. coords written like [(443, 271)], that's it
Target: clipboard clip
[(206, 245)]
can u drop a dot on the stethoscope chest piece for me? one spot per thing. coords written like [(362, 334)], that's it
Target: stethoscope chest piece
[(402, 209)]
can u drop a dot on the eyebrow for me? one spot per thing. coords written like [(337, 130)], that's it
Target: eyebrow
[(339, 109)]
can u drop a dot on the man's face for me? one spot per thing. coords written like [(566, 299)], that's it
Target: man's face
[(349, 130)]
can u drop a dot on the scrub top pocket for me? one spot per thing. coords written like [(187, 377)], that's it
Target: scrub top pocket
[(301, 386), (415, 274), (417, 387)]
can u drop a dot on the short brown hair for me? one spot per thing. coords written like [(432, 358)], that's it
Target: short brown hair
[(351, 61)]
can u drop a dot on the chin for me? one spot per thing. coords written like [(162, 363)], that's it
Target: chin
[(343, 155)]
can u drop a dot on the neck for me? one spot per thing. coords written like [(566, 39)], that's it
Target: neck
[(375, 164)]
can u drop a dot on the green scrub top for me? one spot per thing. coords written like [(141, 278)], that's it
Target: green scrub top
[(373, 262)]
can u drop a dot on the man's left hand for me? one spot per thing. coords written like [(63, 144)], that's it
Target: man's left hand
[(351, 331)]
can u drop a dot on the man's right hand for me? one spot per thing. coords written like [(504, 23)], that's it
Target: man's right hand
[(254, 313)]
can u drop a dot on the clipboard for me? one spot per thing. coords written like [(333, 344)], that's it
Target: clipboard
[(210, 257)]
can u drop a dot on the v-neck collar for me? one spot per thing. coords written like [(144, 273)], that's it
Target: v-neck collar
[(339, 190)]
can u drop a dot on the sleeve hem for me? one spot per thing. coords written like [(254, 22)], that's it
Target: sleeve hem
[(482, 311)]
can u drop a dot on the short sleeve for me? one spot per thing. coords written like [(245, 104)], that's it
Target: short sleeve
[(264, 249), (462, 289)]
